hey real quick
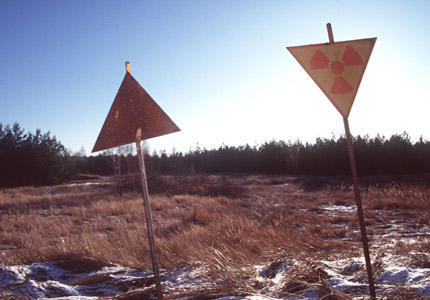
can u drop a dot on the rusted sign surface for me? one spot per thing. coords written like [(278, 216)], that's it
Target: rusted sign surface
[(133, 115), (337, 68)]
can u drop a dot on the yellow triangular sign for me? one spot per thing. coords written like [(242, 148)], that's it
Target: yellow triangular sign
[(133, 116), (337, 68)]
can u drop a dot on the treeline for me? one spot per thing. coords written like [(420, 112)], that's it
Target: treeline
[(325, 157), (396, 155), (32, 158), (40, 159)]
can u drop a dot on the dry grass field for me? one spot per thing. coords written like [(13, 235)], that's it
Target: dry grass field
[(231, 227)]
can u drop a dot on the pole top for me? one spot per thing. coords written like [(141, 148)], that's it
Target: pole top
[(127, 66), (330, 33)]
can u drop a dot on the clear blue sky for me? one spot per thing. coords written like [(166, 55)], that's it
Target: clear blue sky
[(218, 68)]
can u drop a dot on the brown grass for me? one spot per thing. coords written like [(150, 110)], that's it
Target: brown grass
[(400, 196), (418, 253), (43, 223), (214, 222), (202, 185)]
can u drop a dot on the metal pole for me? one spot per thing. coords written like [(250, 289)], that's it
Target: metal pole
[(357, 193), (330, 33), (145, 195), (359, 208)]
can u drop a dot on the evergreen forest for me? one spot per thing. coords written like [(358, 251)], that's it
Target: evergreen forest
[(40, 159)]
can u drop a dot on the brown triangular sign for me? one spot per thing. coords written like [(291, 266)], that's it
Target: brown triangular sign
[(133, 113)]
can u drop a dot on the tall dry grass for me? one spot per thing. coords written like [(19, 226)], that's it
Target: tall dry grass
[(268, 216), (43, 223)]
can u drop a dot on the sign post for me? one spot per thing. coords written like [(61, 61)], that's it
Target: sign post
[(145, 195), (359, 209), (134, 116), (337, 68)]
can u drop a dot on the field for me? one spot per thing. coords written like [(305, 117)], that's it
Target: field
[(238, 236)]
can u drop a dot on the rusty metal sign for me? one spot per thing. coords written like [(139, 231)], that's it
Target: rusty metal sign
[(133, 114), (336, 67)]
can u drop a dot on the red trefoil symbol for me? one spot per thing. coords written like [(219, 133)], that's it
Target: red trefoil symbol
[(350, 57)]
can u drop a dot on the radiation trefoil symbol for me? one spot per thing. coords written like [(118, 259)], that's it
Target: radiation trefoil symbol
[(350, 57), (337, 68)]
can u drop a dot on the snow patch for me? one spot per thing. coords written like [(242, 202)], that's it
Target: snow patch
[(339, 208)]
